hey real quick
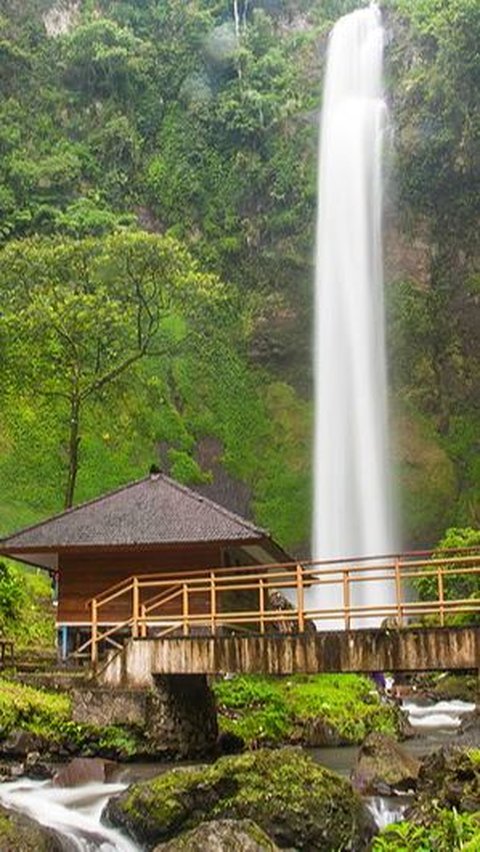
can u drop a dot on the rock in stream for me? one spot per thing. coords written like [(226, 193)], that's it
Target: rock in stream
[(295, 801)]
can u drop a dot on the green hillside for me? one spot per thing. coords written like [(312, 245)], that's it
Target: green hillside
[(161, 144)]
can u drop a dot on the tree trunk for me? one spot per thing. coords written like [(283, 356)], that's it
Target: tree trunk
[(73, 445)]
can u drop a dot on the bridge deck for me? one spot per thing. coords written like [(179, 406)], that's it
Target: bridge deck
[(414, 649)]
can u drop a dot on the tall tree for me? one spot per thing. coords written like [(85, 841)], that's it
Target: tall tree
[(78, 315)]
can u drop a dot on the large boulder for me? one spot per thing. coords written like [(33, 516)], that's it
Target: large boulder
[(224, 835), (294, 800), (19, 834), (316, 732), (448, 778), (469, 732), (456, 687), (383, 767)]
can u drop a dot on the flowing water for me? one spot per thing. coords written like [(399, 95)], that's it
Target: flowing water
[(435, 725), (443, 716), (74, 814), (352, 492)]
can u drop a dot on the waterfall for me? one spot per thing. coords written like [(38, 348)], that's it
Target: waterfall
[(352, 495)]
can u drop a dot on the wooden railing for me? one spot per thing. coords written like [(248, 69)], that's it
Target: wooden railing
[(149, 598)]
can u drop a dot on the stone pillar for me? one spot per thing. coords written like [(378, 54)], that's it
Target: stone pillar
[(176, 717), (181, 716)]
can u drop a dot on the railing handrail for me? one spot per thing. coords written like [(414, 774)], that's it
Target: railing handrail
[(262, 579), (350, 563)]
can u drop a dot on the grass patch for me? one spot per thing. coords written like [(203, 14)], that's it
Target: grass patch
[(31, 709), (268, 710), (49, 716)]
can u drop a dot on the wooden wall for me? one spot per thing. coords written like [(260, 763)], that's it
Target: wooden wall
[(82, 576)]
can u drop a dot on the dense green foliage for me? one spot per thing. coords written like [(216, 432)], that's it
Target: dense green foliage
[(80, 314), (445, 813), (171, 118), (275, 710), (459, 586), (435, 343), (450, 832), (26, 611)]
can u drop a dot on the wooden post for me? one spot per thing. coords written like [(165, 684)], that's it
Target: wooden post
[(186, 629), (135, 607), (398, 592), (300, 600), (261, 601), (441, 597), (346, 597), (143, 625), (94, 648), (213, 604)]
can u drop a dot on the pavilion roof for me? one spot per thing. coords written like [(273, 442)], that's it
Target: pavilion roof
[(156, 510)]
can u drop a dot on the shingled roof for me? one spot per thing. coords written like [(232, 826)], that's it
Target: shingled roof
[(153, 511)]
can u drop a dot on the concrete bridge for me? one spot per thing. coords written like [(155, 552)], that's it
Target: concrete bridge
[(409, 650)]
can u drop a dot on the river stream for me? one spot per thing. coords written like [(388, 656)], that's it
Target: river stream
[(74, 814)]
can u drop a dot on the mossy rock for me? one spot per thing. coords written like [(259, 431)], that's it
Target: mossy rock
[(222, 835), (19, 834), (457, 687), (383, 766), (294, 800), (304, 710), (449, 778)]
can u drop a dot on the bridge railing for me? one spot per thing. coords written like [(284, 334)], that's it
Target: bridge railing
[(330, 595)]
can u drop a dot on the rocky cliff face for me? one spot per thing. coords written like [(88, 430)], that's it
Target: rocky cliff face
[(137, 121)]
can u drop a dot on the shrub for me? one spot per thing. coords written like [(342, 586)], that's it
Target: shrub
[(450, 831), (458, 586)]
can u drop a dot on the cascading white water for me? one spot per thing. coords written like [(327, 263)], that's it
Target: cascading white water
[(74, 813), (352, 495)]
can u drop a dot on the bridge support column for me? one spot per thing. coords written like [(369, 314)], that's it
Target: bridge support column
[(181, 716), (177, 716)]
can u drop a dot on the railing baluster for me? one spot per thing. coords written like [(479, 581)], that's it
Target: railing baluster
[(261, 601), (346, 597), (143, 625), (398, 592), (441, 597), (135, 607), (186, 627), (94, 648), (213, 604), (300, 599)]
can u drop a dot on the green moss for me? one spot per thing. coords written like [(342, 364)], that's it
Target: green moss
[(33, 709), (48, 715), (275, 710), (455, 686), (474, 755), (425, 475), (18, 834), (294, 800)]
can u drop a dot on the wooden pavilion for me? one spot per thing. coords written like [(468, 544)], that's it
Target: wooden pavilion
[(154, 526)]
